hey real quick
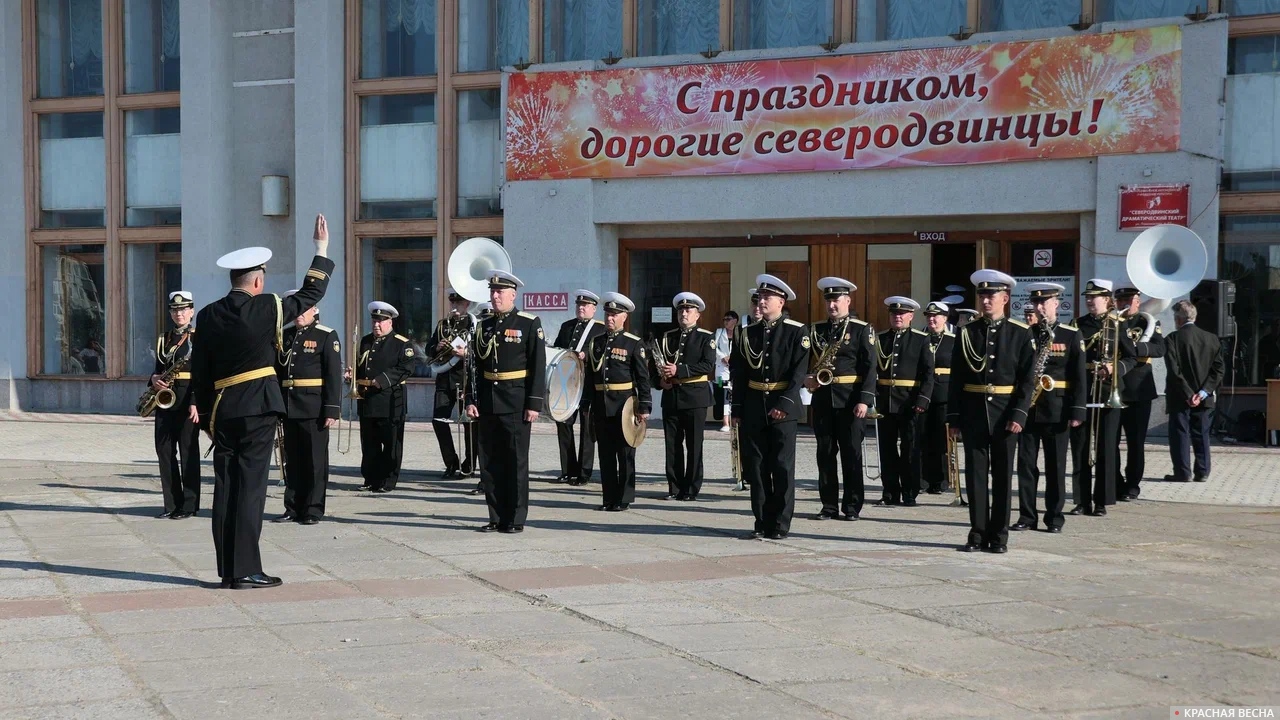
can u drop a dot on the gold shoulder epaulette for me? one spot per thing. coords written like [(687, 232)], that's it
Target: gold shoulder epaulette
[(948, 334), (323, 328), (919, 332), (856, 321), (633, 337), (598, 322), (401, 338), (795, 323), (1072, 328), (524, 314), (1019, 323), (705, 332)]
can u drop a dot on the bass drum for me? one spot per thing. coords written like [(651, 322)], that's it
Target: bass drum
[(564, 383)]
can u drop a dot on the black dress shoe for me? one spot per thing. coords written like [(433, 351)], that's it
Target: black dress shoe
[(479, 490), (381, 490), (466, 468), (449, 474), (1201, 478), (753, 535), (254, 581), (491, 527), (511, 529), (287, 517), (1081, 510), (1175, 478), (620, 507), (309, 521), (578, 482), (1100, 512), (850, 517), (885, 503), (969, 547), (683, 498), (165, 514), (1123, 497), (911, 502), (180, 515), (602, 508), (934, 491), (365, 488), (777, 536), (670, 496), (1054, 530), (998, 549), (1021, 526), (825, 515)]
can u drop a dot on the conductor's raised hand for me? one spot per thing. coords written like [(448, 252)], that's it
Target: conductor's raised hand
[(321, 235)]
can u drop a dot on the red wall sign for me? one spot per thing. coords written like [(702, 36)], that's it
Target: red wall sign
[(546, 301), (1144, 206)]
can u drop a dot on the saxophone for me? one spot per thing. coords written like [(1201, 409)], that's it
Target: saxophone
[(1044, 383), (824, 368), (163, 399)]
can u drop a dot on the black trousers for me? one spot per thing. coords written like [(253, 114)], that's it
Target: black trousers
[(933, 446), (504, 467), (899, 455), (381, 448), (769, 466), (839, 434), (442, 410), (577, 462), (988, 472), (306, 467), (178, 448), (1188, 430), (717, 408), (241, 465), (617, 461), (683, 432), (1054, 438), (1134, 419), (1095, 487)]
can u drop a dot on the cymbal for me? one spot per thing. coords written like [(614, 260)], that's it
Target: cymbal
[(632, 433)]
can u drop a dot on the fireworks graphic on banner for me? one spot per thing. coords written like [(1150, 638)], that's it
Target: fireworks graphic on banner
[(534, 137), (725, 76), (658, 100)]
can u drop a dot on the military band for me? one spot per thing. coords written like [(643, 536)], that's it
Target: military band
[(768, 368), (310, 372), (1137, 388), (177, 435), (933, 432), (506, 398), (448, 343), (993, 368), (904, 384), (683, 361), (385, 360), (843, 383), (578, 461), (1060, 358), (617, 372)]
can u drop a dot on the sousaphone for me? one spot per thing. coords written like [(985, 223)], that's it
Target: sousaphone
[(1166, 262), (470, 264)]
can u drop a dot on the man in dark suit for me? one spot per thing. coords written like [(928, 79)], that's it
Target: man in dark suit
[(450, 333), (684, 374), (576, 335), (177, 435), (904, 384), (767, 368), (933, 431), (508, 395), (617, 370), (840, 406), (1195, 367), (1137, 388), (310, 372), (238, 398), (385, 361)]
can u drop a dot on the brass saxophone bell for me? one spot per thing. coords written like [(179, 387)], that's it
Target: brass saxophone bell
[(824, 376), (165, 399)]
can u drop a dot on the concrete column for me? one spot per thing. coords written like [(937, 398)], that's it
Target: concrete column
[(13, 222)]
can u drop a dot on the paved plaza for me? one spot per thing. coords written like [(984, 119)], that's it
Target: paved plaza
[(395, 608)]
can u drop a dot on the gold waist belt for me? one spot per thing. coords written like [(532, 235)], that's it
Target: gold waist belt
[(942, 371), (615, 387), (303, 382), (845, 379), (513, 375), (182, 376), (989, 389), (689, 380), (768, 387), (897, 383), (1144, 361), (225, 383)]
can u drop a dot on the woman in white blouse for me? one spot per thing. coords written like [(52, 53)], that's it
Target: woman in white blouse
[(724, 342)]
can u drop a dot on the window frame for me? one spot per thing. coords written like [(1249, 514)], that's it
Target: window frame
[(113, 104)]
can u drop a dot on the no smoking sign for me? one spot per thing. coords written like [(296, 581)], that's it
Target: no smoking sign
[(1043, 259)]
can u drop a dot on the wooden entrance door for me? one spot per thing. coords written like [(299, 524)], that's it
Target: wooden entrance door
[(885, 278), (795, 274), (710, 281)]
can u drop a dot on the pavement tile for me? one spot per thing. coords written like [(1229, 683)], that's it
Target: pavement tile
[(293, 593), (52, 654), (12, 609), (1010, 617), (961, 655), (211, 674), (286, 701), (28, 587), (1144, 609), (549, 577), (353, 660), (149, 600), (860, 578), (710, 637), (750, 702), (627, 592), (1236, 678), (20, 688), (569, 648), (804, 606), (196, 644), (1073, 688), (732, 590), (902, 697), (869, 630), (480, 601), (526, 623), (631, 678), (1107, 643), (361, 633), (174, 621), (430, 587), (914, 597), (1245, 632), (1046, 590), (811, 663), (560, 709), (42, 628), (352, 608), (662, 612), (130, 709), (675, 571), (409, 696)]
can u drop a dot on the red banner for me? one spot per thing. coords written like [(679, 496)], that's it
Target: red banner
[(1068, 97), (1144, 206), (546, 301)]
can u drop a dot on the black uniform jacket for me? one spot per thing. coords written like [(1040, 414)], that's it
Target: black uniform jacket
[(942, 346), (382, 366), (446, 331), (1090, 328), (1066, 366), (1194, 362), (1140, 382), (511, 365), (617, 368), (310, 372), (992, 371), (239, 334), (571, 332), (167, 356), (767, 367), (906, 370), (854, 365), (694, 354)]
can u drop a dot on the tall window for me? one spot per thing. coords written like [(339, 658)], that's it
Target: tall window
[(1028, 14), (763, 24), (677, 27), (581, 29), (480, 148), (106, 156), (907, 19), (1142, 9), (397, 270), (398, 38), (656, 277), (1251, 259), (492, 34), (1253, 120), (398, 156), (1250, 7)]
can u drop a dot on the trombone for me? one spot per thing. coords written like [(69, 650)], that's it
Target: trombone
[(953, 466), (1109, 338), (874, 416), (352, 394)]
